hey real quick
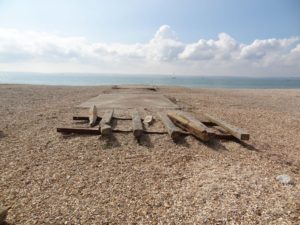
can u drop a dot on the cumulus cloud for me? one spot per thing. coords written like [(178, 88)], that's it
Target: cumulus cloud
[(164, 53), (223, 48)]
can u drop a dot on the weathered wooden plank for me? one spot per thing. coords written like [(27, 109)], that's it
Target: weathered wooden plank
[(235, 131), (78, 130), (191, 124), (137, 125), (145, 131), (214, 132), (3, 214), (105, 127), (93, 116), (172, 130), (99, 118), (82, 118)]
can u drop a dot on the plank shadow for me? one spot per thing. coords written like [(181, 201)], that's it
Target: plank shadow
[(246, 145), (2, 135), (145, 141), (109, 142), (181, 140), (215, 144)]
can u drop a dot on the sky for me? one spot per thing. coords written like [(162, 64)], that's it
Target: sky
[(190, 37)]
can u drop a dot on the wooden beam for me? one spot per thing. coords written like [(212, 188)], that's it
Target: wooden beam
[(78, 130), (137, 125), (81, 118), (99, 118), (172, 130), (234, 131), (190, 124), (105, 127), (93, 116)]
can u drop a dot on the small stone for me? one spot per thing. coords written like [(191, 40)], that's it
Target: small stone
[(284, 179)]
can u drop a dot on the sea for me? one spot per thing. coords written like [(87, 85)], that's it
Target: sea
[(74, 79)]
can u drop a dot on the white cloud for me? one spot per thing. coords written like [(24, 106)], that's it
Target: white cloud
[(223, 48), (164, 46), (164, 53)]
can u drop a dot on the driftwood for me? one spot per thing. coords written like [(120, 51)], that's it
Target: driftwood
[(190, 124), (105, 127), (172, 130), (93, 116), (234, 131), (86, 118), (91, 131), (137, 125), (174, 122)]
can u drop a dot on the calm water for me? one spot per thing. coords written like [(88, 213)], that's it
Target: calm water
[(189, 81)]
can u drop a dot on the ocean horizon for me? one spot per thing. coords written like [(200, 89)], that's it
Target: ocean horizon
[(75, 79)]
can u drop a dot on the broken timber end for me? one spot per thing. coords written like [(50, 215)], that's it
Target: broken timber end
[(172, 130), (105, 126), (190, 124), (137, 125), (93, 116)]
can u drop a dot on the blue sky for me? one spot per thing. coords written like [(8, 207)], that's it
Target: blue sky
[(120, 27)]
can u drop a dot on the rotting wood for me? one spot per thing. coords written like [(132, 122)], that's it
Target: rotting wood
[(172, 130), (191, 124), (235, 131), (83, 118), (93, 116), (145, 131), (3, 214), (94, 131), (78, 131), (137, 125), (215, 132), (99, 118), (105, 126)]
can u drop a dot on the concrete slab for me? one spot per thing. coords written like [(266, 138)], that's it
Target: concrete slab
[(130, 101)]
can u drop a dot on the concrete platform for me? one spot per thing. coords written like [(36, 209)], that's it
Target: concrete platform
[(129, 101)]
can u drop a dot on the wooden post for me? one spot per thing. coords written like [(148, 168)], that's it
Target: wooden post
[(137, 125), (173, 131), (93, 116), (191, 124), (3, 214), (235, 131), (105, 122)]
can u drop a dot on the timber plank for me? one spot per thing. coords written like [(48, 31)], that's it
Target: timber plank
[(105, 126), (99, 118), (78, 130), (191, 124), (93, 116), (172, 130), (137, 125), (233, 130)]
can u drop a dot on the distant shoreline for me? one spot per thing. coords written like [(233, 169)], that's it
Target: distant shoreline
[(163, 80), (159, 86)]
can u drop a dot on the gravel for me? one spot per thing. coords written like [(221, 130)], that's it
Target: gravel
[(47, 178)]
